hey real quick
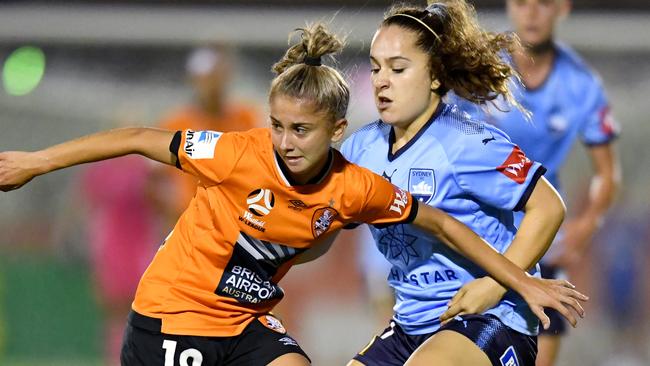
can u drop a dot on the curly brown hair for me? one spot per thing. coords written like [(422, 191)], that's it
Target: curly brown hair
[(463, 57), (301, 75)]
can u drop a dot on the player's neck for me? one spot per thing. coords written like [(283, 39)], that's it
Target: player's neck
[(535, 63), (404, 134)]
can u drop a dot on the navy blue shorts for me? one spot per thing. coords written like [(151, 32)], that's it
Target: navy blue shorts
[(258, 345), (559, 325), (502, 345)]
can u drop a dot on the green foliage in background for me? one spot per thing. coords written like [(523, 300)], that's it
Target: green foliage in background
[(49, 313)]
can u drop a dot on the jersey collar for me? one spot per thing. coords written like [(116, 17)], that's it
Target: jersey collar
[(284, 173), (391, 137)]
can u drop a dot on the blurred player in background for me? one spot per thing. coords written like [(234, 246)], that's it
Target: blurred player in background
[(207, 295), (210, 70), (568, 104)]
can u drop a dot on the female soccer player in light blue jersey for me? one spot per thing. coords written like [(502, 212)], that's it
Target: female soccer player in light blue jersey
[(465, 167), (568, 104)]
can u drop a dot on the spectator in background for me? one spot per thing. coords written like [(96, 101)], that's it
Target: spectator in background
[(568, 104), (209, 70)]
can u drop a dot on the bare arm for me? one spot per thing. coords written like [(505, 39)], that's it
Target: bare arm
[(460, 238), (544, 214), (18, 168), (605, 183)]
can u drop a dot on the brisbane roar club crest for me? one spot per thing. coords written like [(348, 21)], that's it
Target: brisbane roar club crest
[(272, 323), (260, 202), (322, 220), (422, 184)]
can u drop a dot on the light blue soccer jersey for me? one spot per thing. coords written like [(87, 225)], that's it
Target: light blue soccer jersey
[(570, 105), (472, 171)]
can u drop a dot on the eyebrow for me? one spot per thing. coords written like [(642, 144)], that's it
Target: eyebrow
[(292, 123), (394, 58)]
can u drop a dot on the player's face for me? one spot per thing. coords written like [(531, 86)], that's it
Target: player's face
[(535, 20), (400, 76), (302, 136)]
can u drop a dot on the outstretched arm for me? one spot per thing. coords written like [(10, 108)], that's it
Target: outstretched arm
[(18, 168), (544, 214), (536, 293)]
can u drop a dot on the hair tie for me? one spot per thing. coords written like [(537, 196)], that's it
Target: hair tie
[(312, 61)]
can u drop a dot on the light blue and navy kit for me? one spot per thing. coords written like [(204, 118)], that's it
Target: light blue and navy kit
[(472, 171), (570, 105)]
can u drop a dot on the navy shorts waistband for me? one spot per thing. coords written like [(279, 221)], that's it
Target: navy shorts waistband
[(144, 322)]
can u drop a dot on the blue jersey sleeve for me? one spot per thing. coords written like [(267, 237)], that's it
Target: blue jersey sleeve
[(495, 171), (599, 127)]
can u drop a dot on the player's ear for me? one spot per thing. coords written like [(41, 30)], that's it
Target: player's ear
[(435, 84), (339, 130)]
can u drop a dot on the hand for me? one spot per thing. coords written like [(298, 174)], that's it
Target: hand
[(556, 294), (576, 238), (17, 168), (474, 297)]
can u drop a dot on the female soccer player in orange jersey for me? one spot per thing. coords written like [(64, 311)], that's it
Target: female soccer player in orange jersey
[(264, 197)]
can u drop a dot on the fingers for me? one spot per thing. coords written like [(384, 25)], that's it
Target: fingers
[(457, 316), (539, 312), (563, 283), (455, 307), (451, 313), (571, 299), (565, 313)]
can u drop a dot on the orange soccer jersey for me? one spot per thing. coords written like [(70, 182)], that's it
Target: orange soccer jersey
[(235, 117), (242, 231)]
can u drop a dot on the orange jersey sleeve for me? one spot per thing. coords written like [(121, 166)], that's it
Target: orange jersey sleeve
[(378, 201), (210, 155)]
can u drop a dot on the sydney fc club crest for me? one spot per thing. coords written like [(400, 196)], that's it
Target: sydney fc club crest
[(422, 184)]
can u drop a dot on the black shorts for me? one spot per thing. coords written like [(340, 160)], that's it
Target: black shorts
[(145, 345), (502, 345), (559, 325)]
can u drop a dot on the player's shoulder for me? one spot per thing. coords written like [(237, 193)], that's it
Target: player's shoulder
[(464, 137), (456, 125), (351, 172), (370, 131), (255, 139), (366, 136), (572, 65)]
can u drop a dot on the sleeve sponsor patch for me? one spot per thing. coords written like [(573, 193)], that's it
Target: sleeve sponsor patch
[(608, 124), (200, 144), (516, 166), (401, 199)]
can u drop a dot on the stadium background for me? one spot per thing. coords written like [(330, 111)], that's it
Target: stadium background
[(103, 58)]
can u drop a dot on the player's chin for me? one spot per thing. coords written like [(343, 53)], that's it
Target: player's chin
[(388, 117)]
